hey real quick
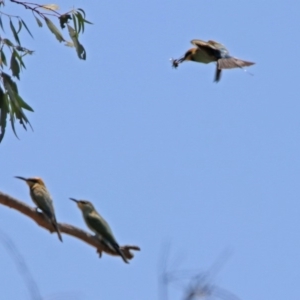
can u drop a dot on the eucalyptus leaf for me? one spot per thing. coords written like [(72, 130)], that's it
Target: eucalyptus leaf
[(79, 48), (15, 34), (14, 65), (54, 29), (23, 104), (8, 42), (3, 114), (28, 28), (39, 22), (3, 57)]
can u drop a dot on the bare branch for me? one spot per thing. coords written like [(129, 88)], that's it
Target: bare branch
[(42, 221)]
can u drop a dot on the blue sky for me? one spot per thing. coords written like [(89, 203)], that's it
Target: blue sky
[(164, 154)]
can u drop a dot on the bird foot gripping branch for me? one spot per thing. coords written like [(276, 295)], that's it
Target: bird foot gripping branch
[(125, 249)]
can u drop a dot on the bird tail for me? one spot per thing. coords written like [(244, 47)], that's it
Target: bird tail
[(232, 62), (218, 74), (120, 252), (54, 223)]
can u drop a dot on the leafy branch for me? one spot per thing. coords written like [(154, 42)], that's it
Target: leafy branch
[(12, 105)]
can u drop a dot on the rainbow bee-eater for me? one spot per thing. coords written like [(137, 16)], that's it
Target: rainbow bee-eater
[(211, 51), (98, 225), (41, 197)]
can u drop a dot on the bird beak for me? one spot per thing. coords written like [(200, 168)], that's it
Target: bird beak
[(19, 177), (74, 200)]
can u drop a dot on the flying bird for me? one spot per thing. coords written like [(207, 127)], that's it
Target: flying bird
[(41, 197), (99, 226), (211, 51)]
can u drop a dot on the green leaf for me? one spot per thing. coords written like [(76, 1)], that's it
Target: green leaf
[(12, 118), (14, 31), (83, 12), (7, 79), (54, 29), (15, 107), (1, 25), (39, 22), (80, 22), (19, 57), (14, 65), (3, 58), (3, 114), (75, 22), (20, 26), (28, 28), (8, 42), (79, 48), (23, 104)]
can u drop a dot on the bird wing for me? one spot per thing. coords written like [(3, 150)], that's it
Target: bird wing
[(200, 43), (96, 223), (44, 202), (212, 48)]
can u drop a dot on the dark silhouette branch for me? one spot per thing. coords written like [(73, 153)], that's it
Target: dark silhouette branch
[(42, 221)]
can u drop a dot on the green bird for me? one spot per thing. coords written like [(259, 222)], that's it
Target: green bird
[(98, 225), (41, 197)]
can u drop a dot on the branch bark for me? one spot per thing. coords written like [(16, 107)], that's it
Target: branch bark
[(42, 221)]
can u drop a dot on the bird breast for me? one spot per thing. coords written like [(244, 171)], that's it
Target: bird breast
[(203, 57)]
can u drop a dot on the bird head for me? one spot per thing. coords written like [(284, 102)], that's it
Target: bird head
[(84, 205), (32, 181), (187, 56)]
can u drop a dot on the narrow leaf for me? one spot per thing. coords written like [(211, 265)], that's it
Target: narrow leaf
[(54, 29), (20, 26), (19, 57), (8, 42), (12, 118), (3, 114), (75, 22), (83, 12), (7, 79), (1, 25), (80, 22), (28, 28), (39, 22), (12, 27), (79, 48), (50, 6), (14, 65), (3, 58), (23, 104)]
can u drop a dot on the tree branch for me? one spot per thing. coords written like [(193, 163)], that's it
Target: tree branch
[(42, 221)]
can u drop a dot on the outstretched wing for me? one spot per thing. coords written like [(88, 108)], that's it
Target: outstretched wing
[(213, 48), (200, 43)]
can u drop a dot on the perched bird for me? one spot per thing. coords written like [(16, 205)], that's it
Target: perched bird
[(42, 199), (98, 225), (211, 51)]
